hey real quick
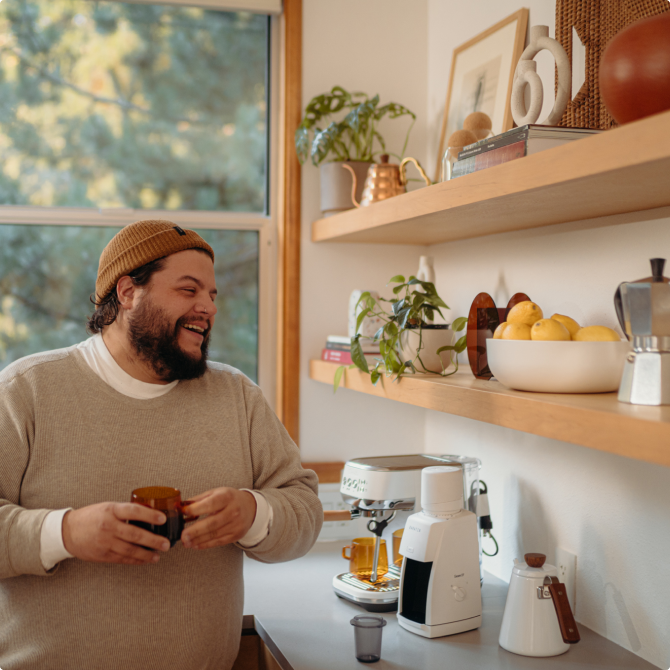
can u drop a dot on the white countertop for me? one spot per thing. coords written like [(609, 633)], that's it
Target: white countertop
[(306, 626)]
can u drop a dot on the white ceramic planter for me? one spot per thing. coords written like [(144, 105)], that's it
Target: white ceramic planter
[(336, 183), (431, 340)]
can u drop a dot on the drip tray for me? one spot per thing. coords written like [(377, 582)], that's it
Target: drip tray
[(381, 596), (384, 584)]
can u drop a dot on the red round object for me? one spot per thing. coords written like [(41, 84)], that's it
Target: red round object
[(635, 70)]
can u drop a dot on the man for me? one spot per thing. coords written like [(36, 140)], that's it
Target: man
[(139, 405)]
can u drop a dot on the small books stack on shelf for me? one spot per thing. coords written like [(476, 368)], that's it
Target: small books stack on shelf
[(338, 349), (515, 143)]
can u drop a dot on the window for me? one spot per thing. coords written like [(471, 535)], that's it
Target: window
[(138, 111)]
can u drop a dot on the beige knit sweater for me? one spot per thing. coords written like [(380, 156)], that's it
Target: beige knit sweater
[(67, 439)]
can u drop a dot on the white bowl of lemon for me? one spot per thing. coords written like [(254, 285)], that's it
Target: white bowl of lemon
[(555, 355)]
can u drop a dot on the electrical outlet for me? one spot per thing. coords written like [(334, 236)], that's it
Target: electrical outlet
[(567, 574)]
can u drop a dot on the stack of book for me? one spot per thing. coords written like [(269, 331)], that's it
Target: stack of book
[(338, 350), (513, 144)]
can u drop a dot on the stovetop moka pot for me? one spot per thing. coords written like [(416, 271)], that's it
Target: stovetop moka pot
[(643, 308)]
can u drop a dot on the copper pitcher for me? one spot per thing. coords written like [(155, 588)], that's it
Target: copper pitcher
[(384, 180)]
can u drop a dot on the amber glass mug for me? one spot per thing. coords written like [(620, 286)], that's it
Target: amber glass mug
[(361, 557), (167, 500), (397, 539)]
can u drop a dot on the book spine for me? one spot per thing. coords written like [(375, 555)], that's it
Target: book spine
[(490, 159), (339, 339), (344, 357), (335, 356), (338, 347), (493, 143), (514, 132)]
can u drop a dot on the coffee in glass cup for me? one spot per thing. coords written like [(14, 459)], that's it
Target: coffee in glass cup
[(167, 500), (361, 557)]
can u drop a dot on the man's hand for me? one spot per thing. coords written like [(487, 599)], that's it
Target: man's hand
[(230, 514), (99, 533)]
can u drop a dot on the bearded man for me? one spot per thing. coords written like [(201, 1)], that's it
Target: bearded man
[(136, 405)]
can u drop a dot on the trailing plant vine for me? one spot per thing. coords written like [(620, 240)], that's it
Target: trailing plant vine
[(411, 311)]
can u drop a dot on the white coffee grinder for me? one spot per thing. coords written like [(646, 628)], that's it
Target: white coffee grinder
[(440, 590)]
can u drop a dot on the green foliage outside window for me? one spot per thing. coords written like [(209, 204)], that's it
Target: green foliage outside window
[(107, 104)]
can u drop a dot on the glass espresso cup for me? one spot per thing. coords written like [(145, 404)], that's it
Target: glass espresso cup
[(167, 500), (361, 557), (397, 539)]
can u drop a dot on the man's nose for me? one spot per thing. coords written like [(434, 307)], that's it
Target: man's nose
[(207, 306)]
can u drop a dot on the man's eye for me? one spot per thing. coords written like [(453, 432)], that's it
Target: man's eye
[(190, 290)]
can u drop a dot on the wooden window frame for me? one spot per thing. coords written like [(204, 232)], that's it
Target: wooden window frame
[(288, 312)]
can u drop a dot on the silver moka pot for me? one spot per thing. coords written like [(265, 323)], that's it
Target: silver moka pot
[(643, 308)]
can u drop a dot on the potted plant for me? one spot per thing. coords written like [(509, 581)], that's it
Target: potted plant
[(350, 140), (405, 338)]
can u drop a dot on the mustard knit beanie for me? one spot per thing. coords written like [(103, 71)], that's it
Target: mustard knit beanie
[(138, 244)]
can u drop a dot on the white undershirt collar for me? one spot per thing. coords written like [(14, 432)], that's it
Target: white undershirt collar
[(99, 359)]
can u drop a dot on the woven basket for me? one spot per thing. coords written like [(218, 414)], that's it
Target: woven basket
[(596, 22)]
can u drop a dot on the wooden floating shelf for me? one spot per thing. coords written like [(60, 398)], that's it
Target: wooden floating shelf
[(597, 420), (616, 172)]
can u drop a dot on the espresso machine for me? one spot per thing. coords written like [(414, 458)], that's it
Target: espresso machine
[(387, 491), (643, 308), (440, 588)]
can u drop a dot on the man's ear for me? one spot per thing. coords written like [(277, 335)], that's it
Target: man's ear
[(126, 292)]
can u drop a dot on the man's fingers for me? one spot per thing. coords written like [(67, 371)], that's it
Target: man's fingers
[(139, 536), (209, 502), (202, 496), (132, 551), (137, 512), (210, 527)]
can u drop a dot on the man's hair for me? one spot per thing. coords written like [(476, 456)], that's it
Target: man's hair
[(107, 309)]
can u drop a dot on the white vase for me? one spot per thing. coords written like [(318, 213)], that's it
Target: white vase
[(426, 270), (371, 324), (431, 340)]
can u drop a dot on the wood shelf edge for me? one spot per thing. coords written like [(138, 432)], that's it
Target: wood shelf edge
[(596, 421), (637, 146), (328, 472)]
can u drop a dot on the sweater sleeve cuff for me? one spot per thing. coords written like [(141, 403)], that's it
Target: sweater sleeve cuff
[(52, 549), (23, 535), (262, 521)]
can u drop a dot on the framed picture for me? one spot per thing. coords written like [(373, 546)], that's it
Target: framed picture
[(481, 77)]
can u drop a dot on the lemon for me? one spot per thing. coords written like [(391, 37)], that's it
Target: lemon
[(516, 331), (499, 331), (596, 334), (569, 323), (548, 329), (525, 312)]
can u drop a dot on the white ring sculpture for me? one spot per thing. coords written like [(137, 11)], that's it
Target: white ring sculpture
[(526, 73)]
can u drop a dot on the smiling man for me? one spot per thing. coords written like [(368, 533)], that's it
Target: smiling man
[(138, 404)]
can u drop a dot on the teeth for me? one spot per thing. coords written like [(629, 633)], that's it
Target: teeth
[(197, 329)]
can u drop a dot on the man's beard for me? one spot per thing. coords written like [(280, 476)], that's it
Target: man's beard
[(156, 342)]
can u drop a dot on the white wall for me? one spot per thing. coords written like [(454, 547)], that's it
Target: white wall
[(610, 511), (375, 46)]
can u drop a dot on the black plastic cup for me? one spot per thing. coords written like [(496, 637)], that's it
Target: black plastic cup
[(368, 635)]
